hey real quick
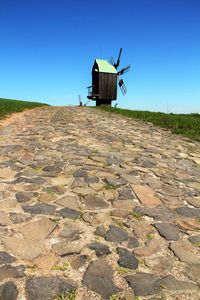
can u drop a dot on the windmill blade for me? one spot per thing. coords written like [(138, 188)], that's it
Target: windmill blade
[(122, 86), (118, 60), (124, 70), (112, 61)]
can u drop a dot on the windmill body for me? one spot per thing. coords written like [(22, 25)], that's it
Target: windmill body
[(104, 81)]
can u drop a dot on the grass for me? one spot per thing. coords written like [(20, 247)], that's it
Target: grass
[(8, 106), (187, 125), (66, 296)]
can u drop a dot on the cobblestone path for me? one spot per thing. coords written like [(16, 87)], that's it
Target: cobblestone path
[(97, 206)]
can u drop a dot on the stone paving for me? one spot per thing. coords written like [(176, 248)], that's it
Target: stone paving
[(97, 206)]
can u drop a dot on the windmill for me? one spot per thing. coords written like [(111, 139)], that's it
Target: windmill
[(104, 81)]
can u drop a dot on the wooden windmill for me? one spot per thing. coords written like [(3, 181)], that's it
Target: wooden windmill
[(104, 81)]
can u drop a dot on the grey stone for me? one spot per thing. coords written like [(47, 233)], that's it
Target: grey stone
[(39, 208), (168, 231), (194, 239), (126, 193), (70, 233), (133, 242), (100, 249), (67, 248), (8, 271), (78, 261), (35, 180), (100, 231), (6, 258), (98, 278), (69, 213), (17, 218), (92, 202), (51, 169), (161, 213), (188, 212), (127, 259), (80, 173), (192, 271), (172, 284), (40, 288), (144, 284), (116, 182), (8, 291), (91, 179), (25, 196), (116, 234)]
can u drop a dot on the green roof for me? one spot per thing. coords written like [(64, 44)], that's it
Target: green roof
[(105, 67)]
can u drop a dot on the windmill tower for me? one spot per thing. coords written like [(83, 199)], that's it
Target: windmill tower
[(105, 77)]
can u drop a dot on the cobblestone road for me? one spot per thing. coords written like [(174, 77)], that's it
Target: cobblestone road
[(97, 206)]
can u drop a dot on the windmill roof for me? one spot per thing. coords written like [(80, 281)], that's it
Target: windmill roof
[(105, 67)]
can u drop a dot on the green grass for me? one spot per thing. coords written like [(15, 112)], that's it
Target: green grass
[(187, 125), (8, 106)]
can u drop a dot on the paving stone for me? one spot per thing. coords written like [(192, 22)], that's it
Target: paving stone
[(8, 291), (4, 219), (69, 213), (70, 232), (99, 278), (7, 173), (188, 212), (120, 213), (168, 231), (188, 224), (159, 264), (127, 259), (40, 288), (17, 218), (116, 234), (80, 173), (23, 248), (6, 258), (184, 251), (172, 284), (25, 196), (144, 284), (92, 202), (67, 248), (100, 231), (141, 229), (195, 239), (8, 271), (39, 209), (115, 182), (152, 247), (37, 229), (91, 179), (100, 249), (192, 271), (160, 213), (51, 169), (146, 195), (8, 204), (133, 242), (126, 193), (124, 204), (194, 201), (68, 201), (78, 261)]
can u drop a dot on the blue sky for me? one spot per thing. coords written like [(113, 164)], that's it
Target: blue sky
[(47, 49)]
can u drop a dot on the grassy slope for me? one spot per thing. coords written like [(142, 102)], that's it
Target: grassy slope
[(9, 106), (187, 125)]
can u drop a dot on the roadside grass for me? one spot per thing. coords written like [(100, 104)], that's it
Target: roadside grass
[(8, 106), (187, 125)]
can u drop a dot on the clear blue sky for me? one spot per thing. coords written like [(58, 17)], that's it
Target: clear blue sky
[(47, 49)]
